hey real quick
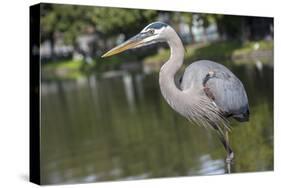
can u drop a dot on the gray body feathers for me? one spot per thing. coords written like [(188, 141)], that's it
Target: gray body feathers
[(227, 90)]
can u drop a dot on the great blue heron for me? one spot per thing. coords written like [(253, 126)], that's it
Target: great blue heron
[(208, 94)]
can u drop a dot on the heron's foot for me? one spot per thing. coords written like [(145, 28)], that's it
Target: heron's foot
[(229, 161)]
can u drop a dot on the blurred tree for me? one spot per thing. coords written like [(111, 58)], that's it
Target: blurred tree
[(188, 19), (68, 22), (206, 21), (113, 21), (71, 21), (229, 27), (65, 19)]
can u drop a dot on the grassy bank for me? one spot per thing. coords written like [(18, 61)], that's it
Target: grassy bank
[(233, 52), (218, 51), (66, 69)]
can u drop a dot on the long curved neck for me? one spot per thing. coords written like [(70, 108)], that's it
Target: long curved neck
[(167, 73), (175, 61), (189, 102)]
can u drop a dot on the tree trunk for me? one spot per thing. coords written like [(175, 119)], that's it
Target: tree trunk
[(191, 33), (52, 43)]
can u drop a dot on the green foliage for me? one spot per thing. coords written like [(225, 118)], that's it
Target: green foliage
[(116, 20), (69, 20), (220, 51), (69, 64), (213, 51), (231, 26), (161, 56), (67, 69), (74, 20), (254, 45)]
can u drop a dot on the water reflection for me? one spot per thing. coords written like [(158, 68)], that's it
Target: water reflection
[(129, 90), (210, 167), (118, 127)]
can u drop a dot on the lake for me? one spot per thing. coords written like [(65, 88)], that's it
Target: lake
[(117, 126)]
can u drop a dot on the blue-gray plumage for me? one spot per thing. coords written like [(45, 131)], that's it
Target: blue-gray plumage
[(156, 25), (209, 93), (227, 90)]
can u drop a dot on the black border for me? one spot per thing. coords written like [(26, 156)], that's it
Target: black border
[(34, 81)]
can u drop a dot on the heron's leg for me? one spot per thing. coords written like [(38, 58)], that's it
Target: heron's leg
[(223, 136), (230, 154)]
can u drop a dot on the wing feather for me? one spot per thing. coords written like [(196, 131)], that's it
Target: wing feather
[(228, 91)]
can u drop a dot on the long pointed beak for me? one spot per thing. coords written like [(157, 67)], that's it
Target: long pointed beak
[(129, 44)]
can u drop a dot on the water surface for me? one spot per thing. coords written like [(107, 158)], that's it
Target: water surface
[(117, 126)]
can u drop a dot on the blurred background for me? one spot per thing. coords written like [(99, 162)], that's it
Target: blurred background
[(105, 119)]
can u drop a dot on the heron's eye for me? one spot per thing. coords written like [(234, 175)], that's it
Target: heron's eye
[(151, 31)]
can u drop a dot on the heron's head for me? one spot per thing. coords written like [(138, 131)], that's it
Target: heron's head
[(154, 32)]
